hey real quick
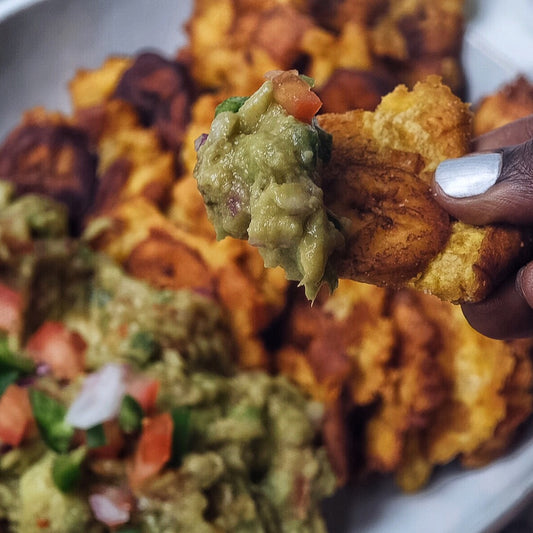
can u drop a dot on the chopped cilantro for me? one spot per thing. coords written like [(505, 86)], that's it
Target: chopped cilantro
[(181, 416), (7, 377), (231, 104), (66, 469), (143, 347), (50, 417), (130, 415), (96, 436), (12, 361)]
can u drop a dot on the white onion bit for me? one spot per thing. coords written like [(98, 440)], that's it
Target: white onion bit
[(107, 511), (100, 397)]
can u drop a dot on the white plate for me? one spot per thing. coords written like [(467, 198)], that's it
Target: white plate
[(43, 42)]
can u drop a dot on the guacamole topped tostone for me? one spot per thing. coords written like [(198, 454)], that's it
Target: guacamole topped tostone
[(258, 172)]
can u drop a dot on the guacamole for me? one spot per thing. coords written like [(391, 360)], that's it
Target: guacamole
[(258, 172), (170, 435)]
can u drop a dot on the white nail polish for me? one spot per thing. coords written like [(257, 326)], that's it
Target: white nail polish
[(470, 175)]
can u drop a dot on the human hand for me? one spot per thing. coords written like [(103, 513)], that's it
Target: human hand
[(495, 185)]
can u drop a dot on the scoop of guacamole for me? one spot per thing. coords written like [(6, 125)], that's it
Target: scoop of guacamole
[(258, 172)]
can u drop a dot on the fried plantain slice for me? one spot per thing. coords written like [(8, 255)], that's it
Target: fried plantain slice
[(169, 263), (380, 178), (512, 101), (396, 227)]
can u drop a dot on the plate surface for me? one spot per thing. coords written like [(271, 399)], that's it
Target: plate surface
[(43, 42)]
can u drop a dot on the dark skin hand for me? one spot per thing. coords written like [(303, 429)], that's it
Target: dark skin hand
[(505, 195)]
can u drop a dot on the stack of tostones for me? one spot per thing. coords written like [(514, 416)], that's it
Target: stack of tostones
[(356, 51), (137, 128), (511, 102), (428, 388)]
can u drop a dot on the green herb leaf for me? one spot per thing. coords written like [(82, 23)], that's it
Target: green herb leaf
[(143, 347), (100, 296), (325, 142), (50, 417), (310, 81), (181, 416), (96, 436), (12, 361), (232, 104), (67, 469), (7, 378), (130, 415)]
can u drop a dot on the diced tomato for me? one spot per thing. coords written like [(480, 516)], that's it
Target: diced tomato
[(144, 389), (154, 449), (10, 309), (123, 330), (114, 442), (16, 417), (295, 96), (61, 349)]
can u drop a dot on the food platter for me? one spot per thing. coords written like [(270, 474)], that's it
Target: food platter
[(45, 41)]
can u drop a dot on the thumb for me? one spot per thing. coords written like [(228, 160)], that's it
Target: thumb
[(488, 187)]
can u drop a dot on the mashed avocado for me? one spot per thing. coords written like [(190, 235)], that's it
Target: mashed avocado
[(258, 172), (245, 453), (43, 507)]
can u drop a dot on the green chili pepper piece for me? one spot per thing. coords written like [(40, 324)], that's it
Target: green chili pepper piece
[(130, 414), (50, 417), (11, 361), (181, 416), (66, 469), (7, 378)]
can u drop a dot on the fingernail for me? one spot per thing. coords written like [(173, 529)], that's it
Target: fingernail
[(469, 175)]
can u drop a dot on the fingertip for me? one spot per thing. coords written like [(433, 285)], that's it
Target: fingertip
[(524, 283), (516, 132), (506, 314)]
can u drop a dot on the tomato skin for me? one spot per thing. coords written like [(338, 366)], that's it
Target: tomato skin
[(58, 347), (154, 449), (295, 96), (11, 303), (144, 390), (16, 417)]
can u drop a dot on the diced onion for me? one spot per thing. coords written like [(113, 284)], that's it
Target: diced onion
[(42, 369), (108, 511), (200, 141), (100, 397)]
